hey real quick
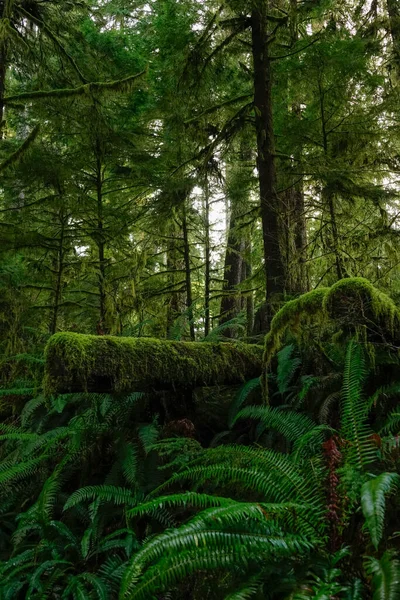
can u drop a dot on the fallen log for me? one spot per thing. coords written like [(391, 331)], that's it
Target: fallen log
[(89, 363)]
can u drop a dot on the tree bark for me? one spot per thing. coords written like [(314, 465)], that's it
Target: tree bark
[(207, 257), (59, 273), (3, 72), (269, 198), (102, 327), (188, 272), (176, 268), (327, 194), (230, 302)]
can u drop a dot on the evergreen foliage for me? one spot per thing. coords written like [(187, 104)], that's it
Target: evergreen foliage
[(199, 300)]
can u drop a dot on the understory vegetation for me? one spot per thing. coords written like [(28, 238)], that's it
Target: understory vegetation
[(199, 300)]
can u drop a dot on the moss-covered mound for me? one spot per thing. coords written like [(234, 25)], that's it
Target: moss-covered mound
[(352, 305), (76, 362)]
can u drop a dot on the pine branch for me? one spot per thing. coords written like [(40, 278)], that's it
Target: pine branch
[(89, 89), (21, 150)]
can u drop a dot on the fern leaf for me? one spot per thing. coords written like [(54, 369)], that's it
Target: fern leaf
[(354, 412), (244, 392), (290, 424), (373, 503), (287, 367), (385, 576), (108, 493)]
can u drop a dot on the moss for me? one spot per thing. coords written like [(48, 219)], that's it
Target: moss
[(357, 301), (99, 363), (354, 304), (305, 309), (351, 307)]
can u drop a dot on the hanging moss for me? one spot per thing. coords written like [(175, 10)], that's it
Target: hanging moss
[(77, 362), (352, 305)]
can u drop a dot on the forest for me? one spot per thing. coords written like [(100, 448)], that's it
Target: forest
[(200, 299)]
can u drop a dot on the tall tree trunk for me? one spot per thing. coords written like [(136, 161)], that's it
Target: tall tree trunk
[(176, 269), (393, 8), (295, 239), (3, 71), (59, 264), (207, 256), (247, 271), (102, 327), (328, 196), (269, 198), (188, 272), (298, 280), (230, 302)]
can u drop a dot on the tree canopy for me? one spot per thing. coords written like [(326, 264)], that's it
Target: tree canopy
[(199, 299)]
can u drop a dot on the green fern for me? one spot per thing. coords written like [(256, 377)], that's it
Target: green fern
[(287, 367), (385, 576), (292, 425), (373, 502), (241, 397), (362, 451), (106, 493)]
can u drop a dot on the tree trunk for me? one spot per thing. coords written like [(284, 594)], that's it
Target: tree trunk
[(176, 269), (297, 280), (59, 274), (269, 198), (230, 303), (295, 240), (207, 256), (328, 196), (3, 72), (101, 245), (188, 272), (247, 271)]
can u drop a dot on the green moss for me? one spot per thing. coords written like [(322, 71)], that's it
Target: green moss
[(305, 309), (357, 301), (354, 305), (87, 362)]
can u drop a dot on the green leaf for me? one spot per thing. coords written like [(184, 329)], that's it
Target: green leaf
[(373, 502)]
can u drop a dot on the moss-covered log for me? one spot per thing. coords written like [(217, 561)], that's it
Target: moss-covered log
[(76, 362), (352, 306)]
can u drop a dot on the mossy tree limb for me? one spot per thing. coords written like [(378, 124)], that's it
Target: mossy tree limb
[(76, 362)]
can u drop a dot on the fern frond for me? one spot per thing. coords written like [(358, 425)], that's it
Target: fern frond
[(30, 408), (148, 435), (362, 450), (385, 576), (205, 551), (22, 470), (392, 424), (108, 493), (183, 500), (244, 392), (97, 584), (373, 502), (287, 367), (290, 424), (247, 590), (272, 474)]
